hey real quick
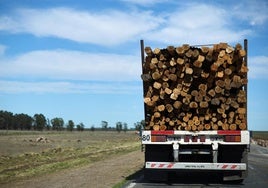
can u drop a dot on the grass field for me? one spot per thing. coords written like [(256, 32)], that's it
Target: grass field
[(23, 156), (260, 135)]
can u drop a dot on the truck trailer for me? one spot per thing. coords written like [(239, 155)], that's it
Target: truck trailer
[(195, 110)]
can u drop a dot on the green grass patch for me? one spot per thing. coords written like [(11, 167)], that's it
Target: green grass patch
[(132, 175)]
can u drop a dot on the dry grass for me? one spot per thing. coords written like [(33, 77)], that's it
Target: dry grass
[(22, 156)]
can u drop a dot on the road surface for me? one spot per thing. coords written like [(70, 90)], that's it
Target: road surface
[(257, 177)]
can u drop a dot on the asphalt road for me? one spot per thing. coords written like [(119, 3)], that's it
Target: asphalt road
[(257, 177)]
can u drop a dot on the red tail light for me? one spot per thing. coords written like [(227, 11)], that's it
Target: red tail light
[(232, 138)]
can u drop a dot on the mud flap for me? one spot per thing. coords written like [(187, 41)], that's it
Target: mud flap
[(233, 177), (155, 175)]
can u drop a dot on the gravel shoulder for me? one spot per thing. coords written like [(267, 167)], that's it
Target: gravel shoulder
[(101, 174)]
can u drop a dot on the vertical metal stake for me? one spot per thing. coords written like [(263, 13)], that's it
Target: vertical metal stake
[(246, 86)]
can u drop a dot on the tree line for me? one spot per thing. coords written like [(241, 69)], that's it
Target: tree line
[(10, 121), (21, 121)]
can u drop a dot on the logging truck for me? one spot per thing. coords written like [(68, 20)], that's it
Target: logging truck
[(195, 106)]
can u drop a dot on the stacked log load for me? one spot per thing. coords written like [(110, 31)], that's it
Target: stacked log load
[(195, 88)]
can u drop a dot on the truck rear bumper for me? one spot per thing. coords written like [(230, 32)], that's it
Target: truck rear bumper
[(196, 166)]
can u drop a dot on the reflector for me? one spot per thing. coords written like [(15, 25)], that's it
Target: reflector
[(194, 138), (202, 138), (158, 138), (186, 138)]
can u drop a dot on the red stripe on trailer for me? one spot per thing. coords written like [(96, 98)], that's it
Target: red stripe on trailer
[(222, 132), (161, 165), (168, 132), (170, 165), (233, 166), (224, 166), (207, 166), (227, 166)]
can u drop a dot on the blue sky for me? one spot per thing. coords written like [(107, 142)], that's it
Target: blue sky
[(80, 60)]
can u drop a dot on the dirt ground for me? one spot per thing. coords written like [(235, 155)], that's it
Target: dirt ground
[(101, 174)]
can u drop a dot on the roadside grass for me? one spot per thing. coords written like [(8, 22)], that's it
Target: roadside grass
[(260, 135), (133, 175), (28, 132), (67, 154), (120, 184)]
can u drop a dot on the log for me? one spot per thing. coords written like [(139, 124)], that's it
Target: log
[(186, 47), (229, 49), (215, 126), (146, 77), (180, 61), (177, 105), (169, 107), (193, 104), (203, 104), (156, 127), (243, 126), (241, 110), (174, 96), (161, 108), (163, 127), (205, 49), (189, 70), (232, 127), (168, 91), (156, 75), (157, 85), (157, 51), (157, 115), (148, 51), (200, 127), (225, 126), (180, 50), (212, 92), (242, 53), (207, 126)]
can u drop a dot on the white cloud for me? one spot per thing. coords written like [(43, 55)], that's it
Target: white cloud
[(72, 65), (197, 24), (104, 28), (187, 23), (69, 87), (258, 67)]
